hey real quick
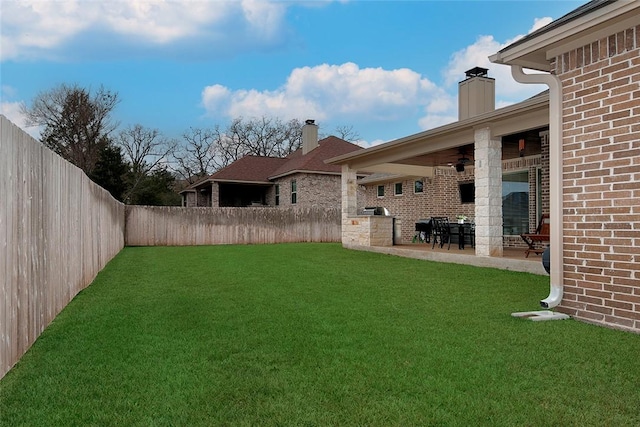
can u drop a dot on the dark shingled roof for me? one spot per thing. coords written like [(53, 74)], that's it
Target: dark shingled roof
[(260, 169), (313, 161), (249, 168), (574, 14)]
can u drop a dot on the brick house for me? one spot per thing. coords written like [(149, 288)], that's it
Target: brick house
[(438, 173), (301, 179), (586, 174), (591, 61)]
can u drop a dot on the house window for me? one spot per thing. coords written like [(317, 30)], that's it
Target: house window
[(380, 190), (515, 203), (398, 189), (294, 192), (277, 194), (418, 186)]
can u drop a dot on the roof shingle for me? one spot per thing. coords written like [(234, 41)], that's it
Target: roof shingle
[(313, 161)]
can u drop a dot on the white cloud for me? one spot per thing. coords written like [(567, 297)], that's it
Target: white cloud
[(35, 28), (12, 111), (367, 144), (539, 23), (328, 91), (443, 110)]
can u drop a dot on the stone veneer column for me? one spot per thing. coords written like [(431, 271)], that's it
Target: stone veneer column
[(215, 195), (349, 192), (488, 200), (349, 203)]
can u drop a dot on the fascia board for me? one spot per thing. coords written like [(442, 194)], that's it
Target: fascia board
[(304, 171), (595, 35), (577, 32), (239, 181)]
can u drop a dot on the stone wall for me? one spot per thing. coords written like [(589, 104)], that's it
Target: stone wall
[(367, 231), (601, 180)]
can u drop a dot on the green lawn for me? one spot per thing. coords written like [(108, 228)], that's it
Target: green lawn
[(316, 335)]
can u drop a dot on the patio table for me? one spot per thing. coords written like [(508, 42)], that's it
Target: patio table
[(464, 232)]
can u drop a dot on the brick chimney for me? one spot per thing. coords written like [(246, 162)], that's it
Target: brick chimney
[(309, 136), (476, 94)]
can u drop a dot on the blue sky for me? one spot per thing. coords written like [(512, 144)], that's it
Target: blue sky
[(387, 68)]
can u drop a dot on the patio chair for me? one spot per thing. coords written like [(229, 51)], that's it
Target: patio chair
[(441, 231), (538, 241)]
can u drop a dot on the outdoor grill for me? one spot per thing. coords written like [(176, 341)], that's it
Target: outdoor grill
[(375, 210)]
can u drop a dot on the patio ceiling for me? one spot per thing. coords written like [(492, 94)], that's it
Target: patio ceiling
[(417, 154)]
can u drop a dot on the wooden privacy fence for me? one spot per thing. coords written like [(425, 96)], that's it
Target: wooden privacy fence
[(175, 226), (57, 231)]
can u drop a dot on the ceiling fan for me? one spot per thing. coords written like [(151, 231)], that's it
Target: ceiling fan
[(462, 160)]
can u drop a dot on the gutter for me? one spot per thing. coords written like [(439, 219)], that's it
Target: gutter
[(555, 178)]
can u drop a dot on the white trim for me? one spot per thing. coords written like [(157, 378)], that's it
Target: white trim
[(414, 186), (555, 178), (295, 171), (395, 188)]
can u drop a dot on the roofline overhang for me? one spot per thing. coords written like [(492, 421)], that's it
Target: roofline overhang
[(292, 172), (240, 181), (387, 178), (528, 114), (226, 181), (595, 22)]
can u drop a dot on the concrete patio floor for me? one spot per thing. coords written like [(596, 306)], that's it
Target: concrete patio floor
[(512, 258)]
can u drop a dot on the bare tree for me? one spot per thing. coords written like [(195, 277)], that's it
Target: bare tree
[(196, 157), (76, 123), (347, 133), (147, 150), (262, 137), (208, 150)]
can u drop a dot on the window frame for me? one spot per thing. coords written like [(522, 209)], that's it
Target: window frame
[(378, 188), (277, 194), (294, 192), (415, 190), (395, 188)]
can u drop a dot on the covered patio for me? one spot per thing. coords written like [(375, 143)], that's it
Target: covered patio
[(482, 145)]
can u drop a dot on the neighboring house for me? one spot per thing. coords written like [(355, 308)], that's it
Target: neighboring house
[(301, 179), (589, 173)]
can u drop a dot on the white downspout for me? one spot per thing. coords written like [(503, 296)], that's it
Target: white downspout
[(555, 177)]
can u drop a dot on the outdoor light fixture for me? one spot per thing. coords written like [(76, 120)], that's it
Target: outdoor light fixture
[(462, 161)]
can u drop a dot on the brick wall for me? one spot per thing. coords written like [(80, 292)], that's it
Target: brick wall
[(601, 180), (441, 197), (313, 190)]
